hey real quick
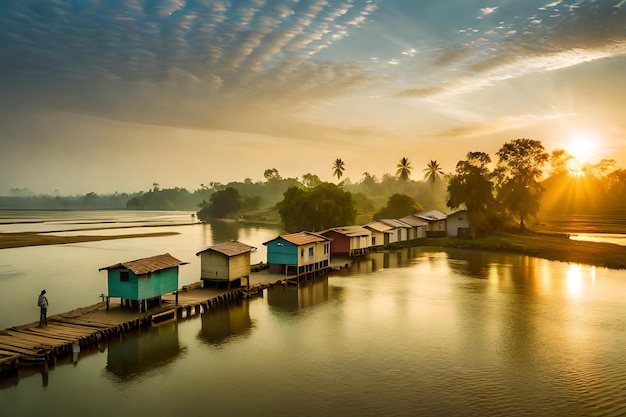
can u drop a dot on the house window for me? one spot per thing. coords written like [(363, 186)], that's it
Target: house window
[(124, 275), (310, 252), (325, 248), (302, 253)]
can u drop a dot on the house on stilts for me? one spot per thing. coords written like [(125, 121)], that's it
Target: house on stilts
[(298, 253), (141, 283)]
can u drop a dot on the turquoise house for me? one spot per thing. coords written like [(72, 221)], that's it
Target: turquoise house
[(298, 253), (141, 283)]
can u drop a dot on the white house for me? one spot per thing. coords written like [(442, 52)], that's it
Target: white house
[(458, 223), (436, 223)]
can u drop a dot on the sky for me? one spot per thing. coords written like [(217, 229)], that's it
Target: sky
[(115, 95)]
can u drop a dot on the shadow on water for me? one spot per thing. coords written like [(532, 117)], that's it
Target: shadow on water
[(222, 325), (305, 294), (143, 351)]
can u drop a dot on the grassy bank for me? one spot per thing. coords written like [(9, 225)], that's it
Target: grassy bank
[(554, 247), (18, 240)]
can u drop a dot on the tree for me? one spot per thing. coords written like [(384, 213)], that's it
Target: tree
[(318, 208), (471, 186), (398, 205), (433, 172), (404, 169), (311, 180), (272, 174), (559, 158), (223, 204), (338, 168), (518, 173)]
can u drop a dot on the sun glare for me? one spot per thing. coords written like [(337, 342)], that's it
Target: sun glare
[(582, 146)]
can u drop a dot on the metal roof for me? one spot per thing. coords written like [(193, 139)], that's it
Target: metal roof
[(151, 264), (414, 221), (379, 226), (302, 238), (432, 215), (350, 231), (231, 248), (395, 223)]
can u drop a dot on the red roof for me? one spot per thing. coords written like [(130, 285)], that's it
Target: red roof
[(151, 264)]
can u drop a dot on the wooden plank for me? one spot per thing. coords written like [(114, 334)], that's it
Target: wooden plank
[(19, 350), (12, 341), (34, 338), (56, 336), (63, 330)]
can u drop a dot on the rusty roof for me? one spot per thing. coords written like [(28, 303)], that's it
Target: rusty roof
[(302, 238), (151, 264), (350, 231), (230, 248)]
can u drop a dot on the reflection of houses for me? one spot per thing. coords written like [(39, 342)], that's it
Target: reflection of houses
[(417, 228), (226, 262), (436, 223), (298, 253), (458, 223), (141, 352), (218, 326), (348, 240), (303, 295), (142, 282)]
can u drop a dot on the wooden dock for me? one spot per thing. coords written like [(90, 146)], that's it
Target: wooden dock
[(29, 345)]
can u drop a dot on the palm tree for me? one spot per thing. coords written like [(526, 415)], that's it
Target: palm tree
[(338, 168), (404, 169), (433, 172)]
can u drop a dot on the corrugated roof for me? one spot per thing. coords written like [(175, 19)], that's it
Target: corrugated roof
[(414, 221), (432, 215), (151, 264), (302, 238), (379, 226), (395, 223), (349, 231), (231, 248)]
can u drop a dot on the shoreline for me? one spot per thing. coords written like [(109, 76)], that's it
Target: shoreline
[(550, 246)]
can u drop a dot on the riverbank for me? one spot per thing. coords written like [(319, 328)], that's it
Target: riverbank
[(554, 247), (551, 246), (23, 239)]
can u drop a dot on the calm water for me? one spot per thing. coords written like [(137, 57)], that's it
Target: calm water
[(405, 333)]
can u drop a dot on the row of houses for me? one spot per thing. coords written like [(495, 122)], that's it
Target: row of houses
[(140, 283)]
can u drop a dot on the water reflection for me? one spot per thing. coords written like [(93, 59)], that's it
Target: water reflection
[(143, 351), (224, 231), (221, 325), (305, 294)]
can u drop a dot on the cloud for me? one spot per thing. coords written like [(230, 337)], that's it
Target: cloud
[(592, 30), (176, 62)]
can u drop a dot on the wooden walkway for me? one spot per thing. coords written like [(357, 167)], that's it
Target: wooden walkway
[(29, 344)]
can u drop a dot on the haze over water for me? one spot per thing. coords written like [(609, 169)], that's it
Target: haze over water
[(403, 333)]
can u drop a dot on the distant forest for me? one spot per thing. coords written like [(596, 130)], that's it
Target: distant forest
[(594, 190)]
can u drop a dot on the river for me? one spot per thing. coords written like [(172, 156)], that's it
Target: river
[(414, 332)]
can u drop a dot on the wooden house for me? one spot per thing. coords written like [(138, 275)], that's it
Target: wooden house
[(417, 225), (298, 253), (348, 240), (142, 282), (458, 224), (226, 262), (381, 233), (400, 231), (437, 224)]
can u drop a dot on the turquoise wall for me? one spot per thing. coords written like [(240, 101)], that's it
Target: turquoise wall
[(143, 286), (279, 251)]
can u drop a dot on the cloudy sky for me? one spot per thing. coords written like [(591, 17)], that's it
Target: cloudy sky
[(114, 95)]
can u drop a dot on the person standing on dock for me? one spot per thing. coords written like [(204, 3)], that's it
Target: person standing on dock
[(42, 302)]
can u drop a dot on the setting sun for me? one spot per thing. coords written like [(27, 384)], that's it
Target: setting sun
[(582, 146)]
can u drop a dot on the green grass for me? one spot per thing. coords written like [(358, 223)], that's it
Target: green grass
[(554, 247)]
